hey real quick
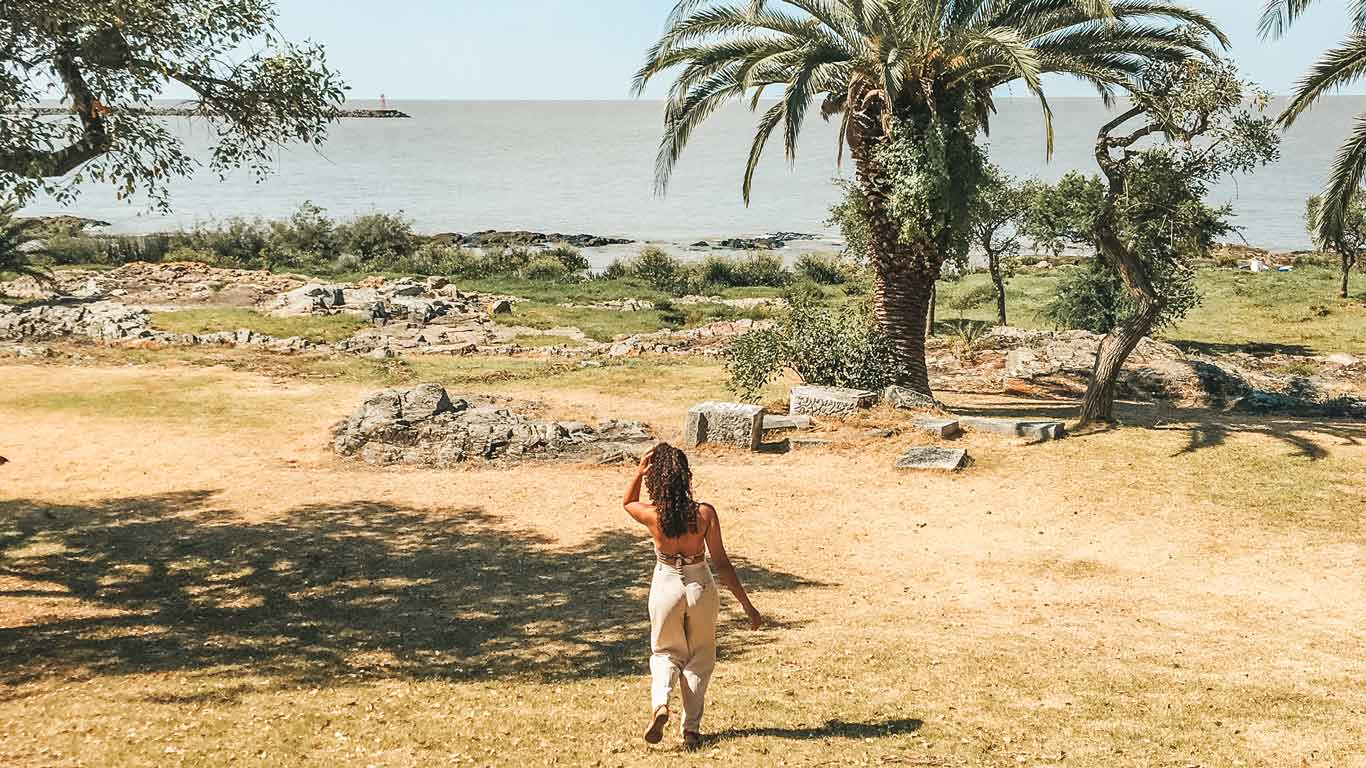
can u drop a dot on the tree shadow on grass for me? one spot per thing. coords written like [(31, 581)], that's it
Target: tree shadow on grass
[(361, 590), (831, 729)]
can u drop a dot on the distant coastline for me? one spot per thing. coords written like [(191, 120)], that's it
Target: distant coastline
[(199, 112)]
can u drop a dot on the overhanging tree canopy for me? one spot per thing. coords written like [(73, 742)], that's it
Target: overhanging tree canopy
[(108, 59)]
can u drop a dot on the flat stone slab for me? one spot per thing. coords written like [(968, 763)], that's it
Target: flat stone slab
[(776, 421), (836, 402), (1033, 430), (734, 424), (933, 458), (942, 428)]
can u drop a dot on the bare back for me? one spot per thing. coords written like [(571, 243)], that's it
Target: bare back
[(689, 544)]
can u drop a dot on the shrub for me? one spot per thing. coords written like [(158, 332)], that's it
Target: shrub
[(1092, 299), (617, 270), (822, 269), (969, 299), (66, 249), (670, 315), (718, 271), (761, 268), (832, 346), (545, 268), (380, 239), (572, 258), (434, 258), (185, 253), (660, 270), (506, 261)]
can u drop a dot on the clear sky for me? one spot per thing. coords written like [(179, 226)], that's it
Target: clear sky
[(563, 49)]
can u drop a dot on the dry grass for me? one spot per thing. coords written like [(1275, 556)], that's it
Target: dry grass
[(188, 577)]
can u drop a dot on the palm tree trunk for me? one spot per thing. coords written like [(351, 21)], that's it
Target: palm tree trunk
[(934, 304), (994, 266), (901, 304)]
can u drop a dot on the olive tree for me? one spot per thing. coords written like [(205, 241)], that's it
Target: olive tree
[(108, 59), (1351, 234), (1154, 220), (997, 219)]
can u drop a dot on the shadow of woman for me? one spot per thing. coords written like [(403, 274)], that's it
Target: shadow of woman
[(831, 729)]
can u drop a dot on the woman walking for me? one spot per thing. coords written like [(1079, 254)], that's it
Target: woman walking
[(683, 597)]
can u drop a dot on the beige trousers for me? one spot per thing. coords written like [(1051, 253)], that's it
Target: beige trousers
[(683, 608)]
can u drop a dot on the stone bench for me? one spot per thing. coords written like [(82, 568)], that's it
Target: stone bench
[(1032, 430), (836, 402), (734, 424), (776, 422)]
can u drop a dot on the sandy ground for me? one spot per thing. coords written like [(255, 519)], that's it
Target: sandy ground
[(188, 576)]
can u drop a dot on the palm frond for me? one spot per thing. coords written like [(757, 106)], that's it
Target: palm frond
[(1337, 67), (1344, 183)]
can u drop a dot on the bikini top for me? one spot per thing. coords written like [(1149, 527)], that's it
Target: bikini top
[(678, 559)]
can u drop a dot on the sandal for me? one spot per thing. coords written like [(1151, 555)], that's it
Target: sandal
[(692, 741), (656, 730)]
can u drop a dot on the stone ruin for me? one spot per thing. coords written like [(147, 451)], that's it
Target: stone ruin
[(425, 426)]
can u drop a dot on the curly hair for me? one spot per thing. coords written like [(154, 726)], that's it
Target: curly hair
[(669, 481)]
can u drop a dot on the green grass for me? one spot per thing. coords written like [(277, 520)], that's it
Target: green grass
[(1286, 309), (317, 328), (536, 340), (1298, 310), (597, 324)]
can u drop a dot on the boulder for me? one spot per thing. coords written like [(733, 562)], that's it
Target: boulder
[(923, 457), (734, 424), (500, 307), (806, 443), (836, 402), (426, 427)]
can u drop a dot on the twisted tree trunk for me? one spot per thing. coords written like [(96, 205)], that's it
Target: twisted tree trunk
[(1098, 404)]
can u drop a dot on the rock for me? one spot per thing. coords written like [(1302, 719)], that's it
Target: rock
[(1343, 359), (880, 432), (1033, 431), (909, 399), (941, 428), (500, 307), (425, 426), (773, 422), (933, 458), (381, 353), (734, 424), (837, 402), (806, 443)]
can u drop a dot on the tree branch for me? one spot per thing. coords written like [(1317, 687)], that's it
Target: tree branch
[(95, 139)]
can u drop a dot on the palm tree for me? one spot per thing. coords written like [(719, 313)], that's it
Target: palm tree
[(913, 82), (1337, 67)]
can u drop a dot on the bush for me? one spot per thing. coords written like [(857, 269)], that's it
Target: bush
[(717, 271), (761, 268), (660, 270), (831, 346), (822, 269), (434, 258), (572, 258), (66, 249), (617, 270), (969, 299), (545, 268), (380, 239), (1091, 299)]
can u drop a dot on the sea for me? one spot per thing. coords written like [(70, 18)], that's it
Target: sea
[(589, 167)]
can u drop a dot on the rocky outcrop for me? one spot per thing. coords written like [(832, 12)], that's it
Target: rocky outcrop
[(427, 427), (498, 238), (1038, 362)]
